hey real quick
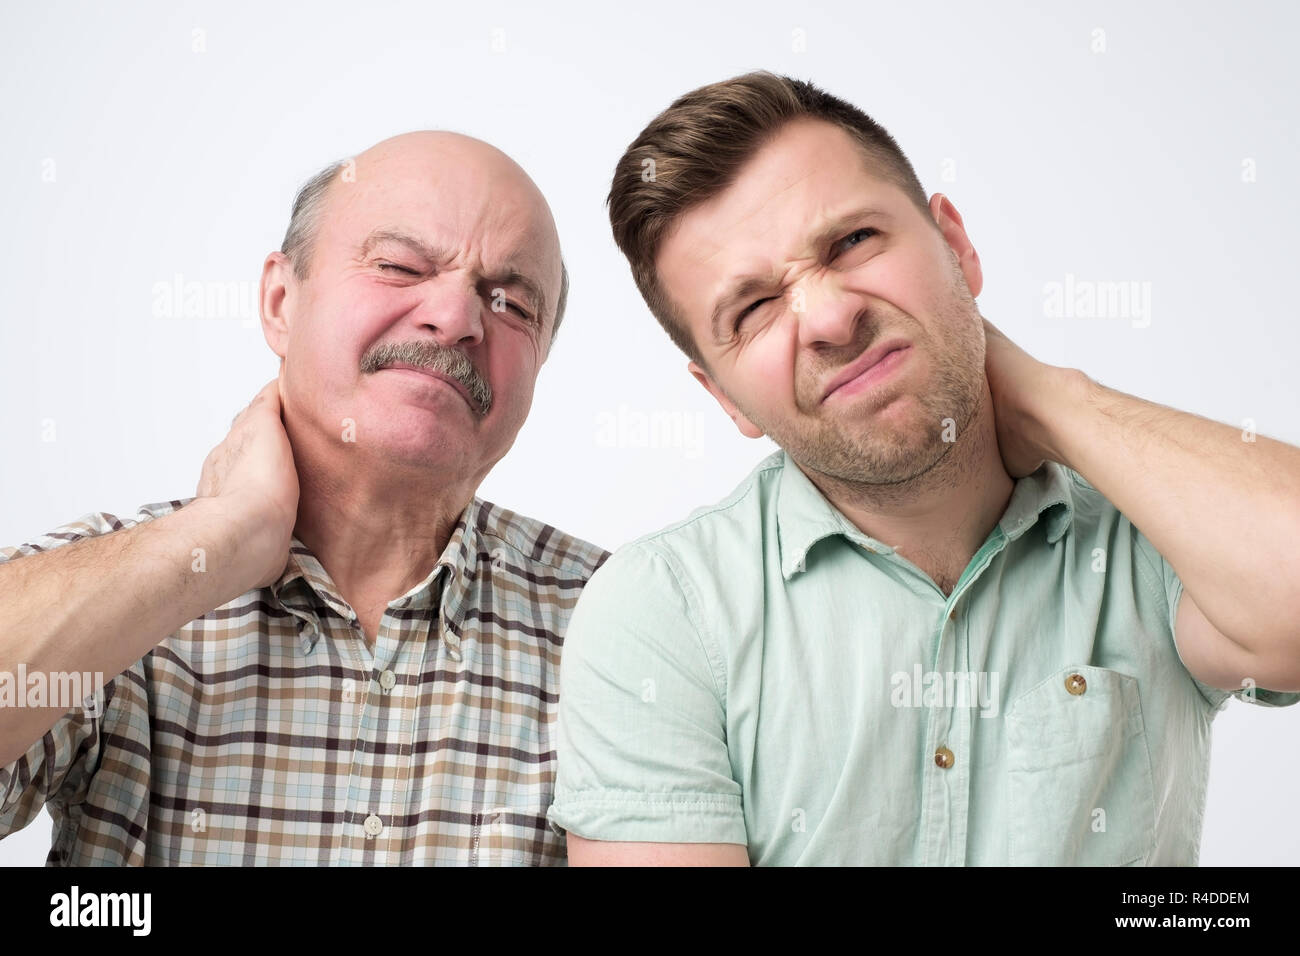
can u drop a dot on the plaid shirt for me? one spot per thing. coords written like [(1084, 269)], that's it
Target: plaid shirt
[(268, 732)]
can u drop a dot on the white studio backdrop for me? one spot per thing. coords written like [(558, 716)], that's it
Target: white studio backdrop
[(152, 145)]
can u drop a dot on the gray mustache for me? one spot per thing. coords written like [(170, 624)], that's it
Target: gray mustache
[(434, 357)]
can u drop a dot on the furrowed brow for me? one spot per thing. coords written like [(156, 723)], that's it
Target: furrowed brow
[(533, 291), (744, 286), (380, 236), (532, 288)]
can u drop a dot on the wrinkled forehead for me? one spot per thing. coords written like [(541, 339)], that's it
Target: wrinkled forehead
[(480, 206), (780, 207)]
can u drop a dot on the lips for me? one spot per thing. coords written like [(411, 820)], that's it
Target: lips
[(431, 373), (862, 363)]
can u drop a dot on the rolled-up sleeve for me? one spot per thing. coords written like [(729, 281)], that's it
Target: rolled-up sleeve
[(641, 741), (58, 769)]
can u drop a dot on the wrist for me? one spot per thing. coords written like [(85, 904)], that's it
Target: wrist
[(244, 549), (1069, 397)]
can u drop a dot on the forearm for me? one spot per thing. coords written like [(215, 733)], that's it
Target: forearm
[(1225, 512), (583, 852), (99, 605)]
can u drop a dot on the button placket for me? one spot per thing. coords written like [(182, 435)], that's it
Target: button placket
[(936, 822), (962, 728), (358, 788), (448, 636)]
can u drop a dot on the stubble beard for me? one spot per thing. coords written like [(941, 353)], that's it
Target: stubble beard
[(887, 459)]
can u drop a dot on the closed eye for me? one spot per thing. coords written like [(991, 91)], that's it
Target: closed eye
[(750, 308), (405, 270)]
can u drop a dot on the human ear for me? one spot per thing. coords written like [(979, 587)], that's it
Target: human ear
[(747, 428)]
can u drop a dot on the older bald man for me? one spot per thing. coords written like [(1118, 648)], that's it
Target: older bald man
[(335, 653)]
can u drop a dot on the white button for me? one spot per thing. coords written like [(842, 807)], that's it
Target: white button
[(453, 653), (373, 825), (387, 680)]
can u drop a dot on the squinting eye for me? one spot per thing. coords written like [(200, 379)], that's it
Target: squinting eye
[(523, 313), (750, 308), (402, 269), (861, 234)]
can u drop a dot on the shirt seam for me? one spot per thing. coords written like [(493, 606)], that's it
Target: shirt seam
[(716, 670), (1153, 579), (574, 566), (621, 797)]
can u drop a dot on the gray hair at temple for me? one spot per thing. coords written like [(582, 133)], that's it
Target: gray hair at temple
[(305, 219)]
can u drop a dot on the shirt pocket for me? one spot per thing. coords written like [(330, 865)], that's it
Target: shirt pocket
[(1079, 773)]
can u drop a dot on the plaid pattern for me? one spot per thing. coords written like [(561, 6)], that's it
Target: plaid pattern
[(268, 732)]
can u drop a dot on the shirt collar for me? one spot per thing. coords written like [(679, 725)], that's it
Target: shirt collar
[(804, 516), (1046, 490), (305, 585)]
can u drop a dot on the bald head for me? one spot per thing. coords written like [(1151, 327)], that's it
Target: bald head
[(431, 161)]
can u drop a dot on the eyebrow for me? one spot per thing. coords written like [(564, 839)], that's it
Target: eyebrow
[(742, 287), (533, 291)]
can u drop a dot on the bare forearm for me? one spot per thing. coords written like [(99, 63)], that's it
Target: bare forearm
[(583, 852), (99, 605), (1225, 512)]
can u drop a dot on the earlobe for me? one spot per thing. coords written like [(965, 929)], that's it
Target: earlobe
[(950, 225), (275, 301), (746, 427)]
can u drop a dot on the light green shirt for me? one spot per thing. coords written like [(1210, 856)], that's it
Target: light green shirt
[(764, 673)]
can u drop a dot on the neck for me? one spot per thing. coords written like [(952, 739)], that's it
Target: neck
[(940, 518), (377, 528)]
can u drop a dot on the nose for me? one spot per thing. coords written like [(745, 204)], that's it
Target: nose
[(829, 314), (453, 309)]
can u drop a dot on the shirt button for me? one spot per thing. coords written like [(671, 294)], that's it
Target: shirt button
[(1075, 684), (943, 758), (373, 825), (952, 614), (453, 653), (387, 680)]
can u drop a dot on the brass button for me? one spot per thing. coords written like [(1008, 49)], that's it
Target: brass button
[(943, 758), (1075, 684), (952, 614)]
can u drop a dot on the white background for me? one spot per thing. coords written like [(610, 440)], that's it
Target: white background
[(1119, 165)]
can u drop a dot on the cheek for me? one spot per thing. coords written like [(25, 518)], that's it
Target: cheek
[(511, 368), (767, 366), (337, 331), (910, 282)]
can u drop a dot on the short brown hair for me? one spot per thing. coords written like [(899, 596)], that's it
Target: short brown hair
[(698, 145)]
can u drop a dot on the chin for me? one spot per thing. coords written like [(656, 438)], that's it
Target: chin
[(423, 448)]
